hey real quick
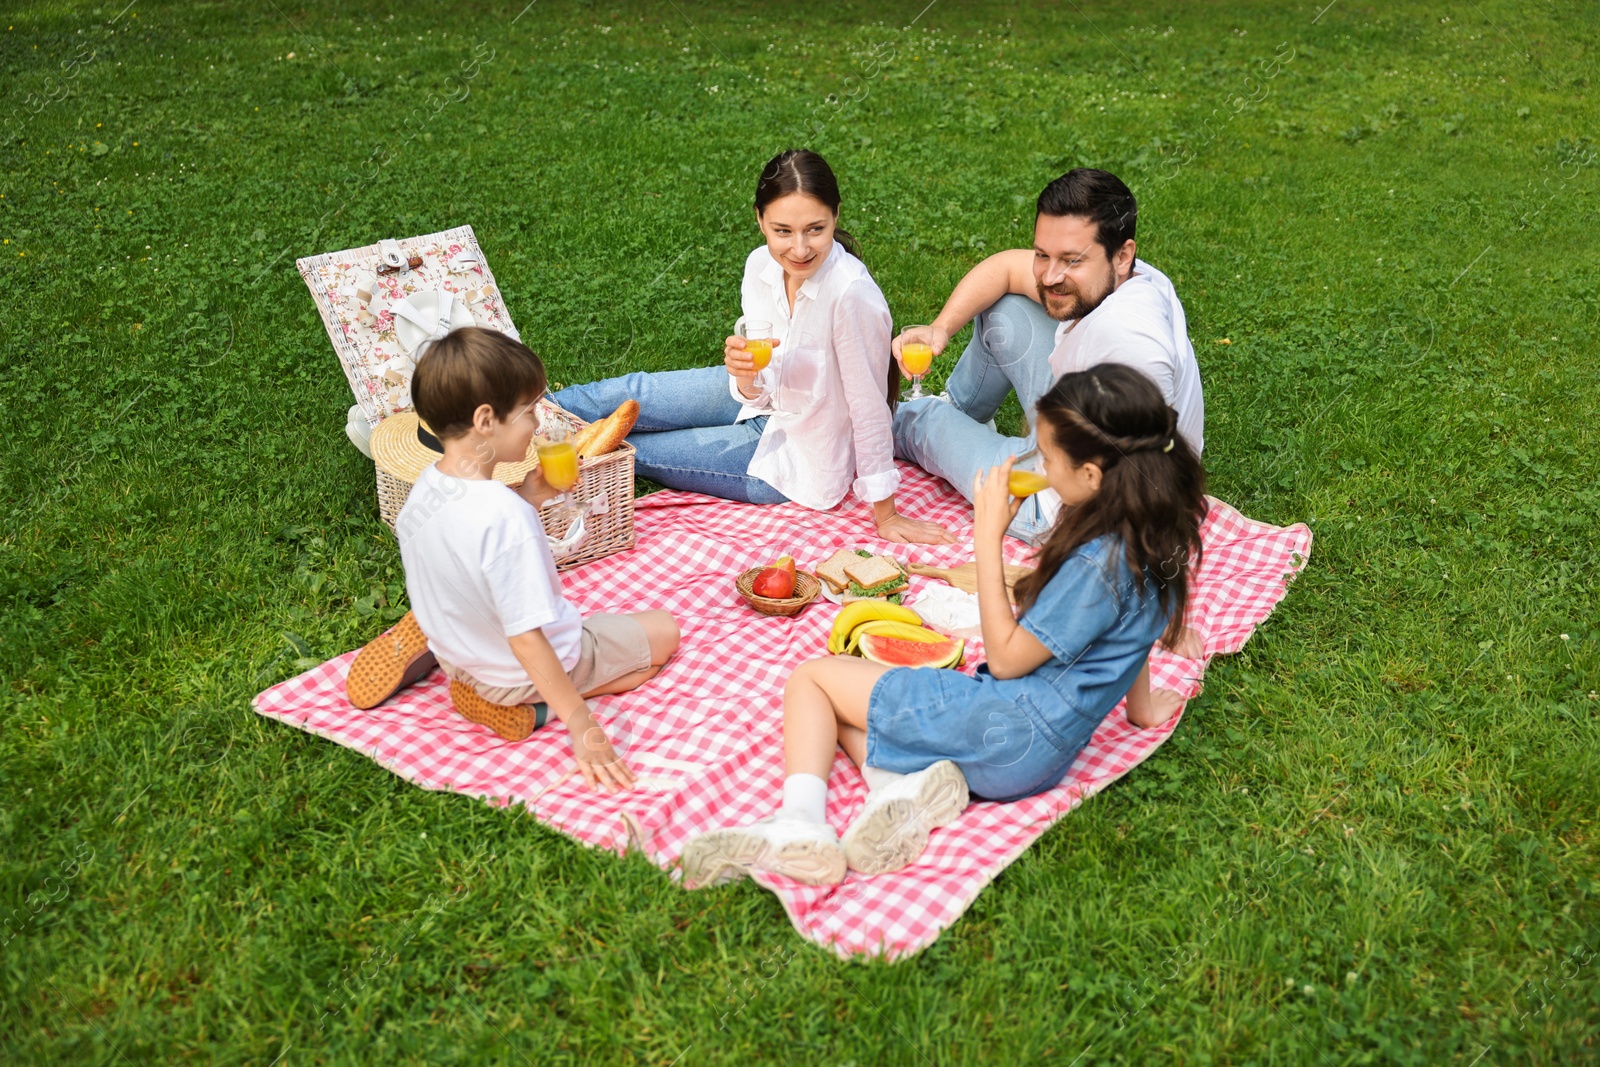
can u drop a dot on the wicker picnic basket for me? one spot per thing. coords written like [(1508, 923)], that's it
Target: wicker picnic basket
[(361, 295), (400, 456)]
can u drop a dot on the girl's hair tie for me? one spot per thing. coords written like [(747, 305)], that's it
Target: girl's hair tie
[(1170, 442)]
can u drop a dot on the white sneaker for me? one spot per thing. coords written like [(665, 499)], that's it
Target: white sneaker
[(800, 849), (358, 430), (892, 829)]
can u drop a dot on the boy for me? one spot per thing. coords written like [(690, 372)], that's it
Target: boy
[(479, 573)]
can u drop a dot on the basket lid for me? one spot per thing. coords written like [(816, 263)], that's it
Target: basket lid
[(398, 451)]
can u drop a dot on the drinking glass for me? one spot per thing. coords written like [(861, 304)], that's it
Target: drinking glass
[(1026, 483), (558, 462), (758, 342), (915, 359)]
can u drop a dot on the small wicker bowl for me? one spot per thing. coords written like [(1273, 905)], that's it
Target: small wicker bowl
[(806, 588)]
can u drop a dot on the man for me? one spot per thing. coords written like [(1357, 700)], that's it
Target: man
[(1077, 298)]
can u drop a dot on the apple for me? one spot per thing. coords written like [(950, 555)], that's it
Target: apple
[(774, 583)]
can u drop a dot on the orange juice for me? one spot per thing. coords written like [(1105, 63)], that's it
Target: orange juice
[(559, 461), (1027, 483), (760, 349), (916, 358)]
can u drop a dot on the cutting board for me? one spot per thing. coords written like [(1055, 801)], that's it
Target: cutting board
[(965, 576)]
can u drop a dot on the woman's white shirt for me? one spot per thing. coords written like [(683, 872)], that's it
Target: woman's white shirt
[(829, 429)]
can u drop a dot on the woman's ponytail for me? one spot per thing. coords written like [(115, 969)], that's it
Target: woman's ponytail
[(850, 244)]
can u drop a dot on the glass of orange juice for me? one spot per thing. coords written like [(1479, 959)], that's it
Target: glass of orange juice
[(1026, 483), (558, 463), (758, 342), (915, 359)]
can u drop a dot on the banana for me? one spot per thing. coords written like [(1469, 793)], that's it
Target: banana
[(860, 611), (891, 628)]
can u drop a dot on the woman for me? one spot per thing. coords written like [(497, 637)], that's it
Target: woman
[(816, 422)]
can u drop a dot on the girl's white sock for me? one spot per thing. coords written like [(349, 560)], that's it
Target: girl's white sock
[(877, 778), (805, 796)]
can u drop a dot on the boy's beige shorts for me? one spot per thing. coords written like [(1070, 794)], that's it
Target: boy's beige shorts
[(611, 646)]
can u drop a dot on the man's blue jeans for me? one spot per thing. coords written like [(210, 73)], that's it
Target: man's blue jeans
[(1010, 350), (686, 435)]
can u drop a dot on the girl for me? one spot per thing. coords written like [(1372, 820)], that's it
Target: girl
[(814, 424), (1113, 575)]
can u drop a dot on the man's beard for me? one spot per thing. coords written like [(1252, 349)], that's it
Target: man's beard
[(1064, 307)]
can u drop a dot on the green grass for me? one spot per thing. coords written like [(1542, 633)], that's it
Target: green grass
[(1370, 841)]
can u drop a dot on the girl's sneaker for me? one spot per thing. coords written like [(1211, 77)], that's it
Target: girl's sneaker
[(799, 849), (390, 662), (511, 721), (892, 829)]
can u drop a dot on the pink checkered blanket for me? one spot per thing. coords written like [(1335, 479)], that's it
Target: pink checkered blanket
[(705, 737)]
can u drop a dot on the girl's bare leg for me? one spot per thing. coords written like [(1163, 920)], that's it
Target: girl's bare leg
[(824, 705)]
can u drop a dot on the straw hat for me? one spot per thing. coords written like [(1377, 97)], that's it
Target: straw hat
[(402, 446)]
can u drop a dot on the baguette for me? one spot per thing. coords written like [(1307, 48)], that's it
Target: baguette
[(598, 438)]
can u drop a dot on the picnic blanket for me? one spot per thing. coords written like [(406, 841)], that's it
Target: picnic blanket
[(705, 737)]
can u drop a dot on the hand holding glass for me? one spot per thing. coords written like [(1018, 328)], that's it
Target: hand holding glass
[(758, 342), (558, 459), (915, 359)]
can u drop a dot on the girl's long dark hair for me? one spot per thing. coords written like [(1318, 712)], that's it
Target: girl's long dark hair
[(800, 170), (1152, 489)]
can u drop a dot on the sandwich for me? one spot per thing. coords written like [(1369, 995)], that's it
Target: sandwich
[(831, 570), (856, 574), (875, 577)]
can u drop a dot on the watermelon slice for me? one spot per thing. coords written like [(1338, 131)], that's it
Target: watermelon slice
[(899, 652)]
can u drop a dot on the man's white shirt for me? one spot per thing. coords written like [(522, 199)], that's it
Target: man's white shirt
[(1141, 324)]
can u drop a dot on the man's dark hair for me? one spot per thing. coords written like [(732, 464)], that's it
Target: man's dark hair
[(469, 367), (1100, 197)]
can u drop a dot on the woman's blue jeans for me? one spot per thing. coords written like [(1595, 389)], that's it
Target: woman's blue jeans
[(686, 435)]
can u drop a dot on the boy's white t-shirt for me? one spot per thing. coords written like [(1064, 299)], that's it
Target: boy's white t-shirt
[(478, 571)]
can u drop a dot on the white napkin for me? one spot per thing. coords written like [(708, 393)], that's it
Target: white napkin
[(425, 317), (949, 610)]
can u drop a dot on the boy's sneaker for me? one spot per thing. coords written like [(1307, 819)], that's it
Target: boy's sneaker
[(388, 664), (892, 829), (805, 851), (511, 721)]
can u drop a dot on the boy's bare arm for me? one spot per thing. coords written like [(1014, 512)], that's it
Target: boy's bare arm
[(599, 762)]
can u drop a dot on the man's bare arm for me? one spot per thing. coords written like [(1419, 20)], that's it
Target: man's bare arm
[(1005, 272)]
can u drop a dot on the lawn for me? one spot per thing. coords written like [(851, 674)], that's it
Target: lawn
[(1371, 840)]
